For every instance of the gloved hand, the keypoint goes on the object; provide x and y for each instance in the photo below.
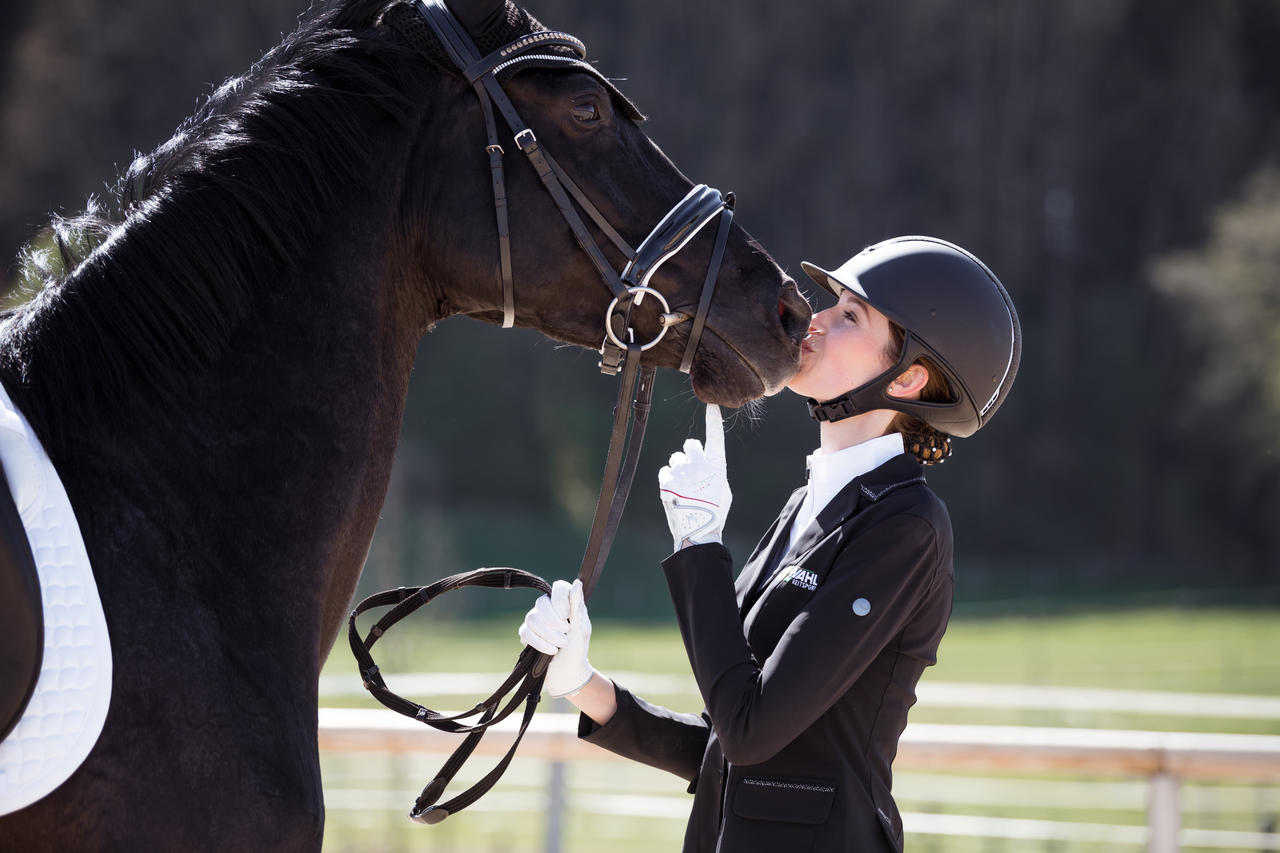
(694, 487)
(558, 625)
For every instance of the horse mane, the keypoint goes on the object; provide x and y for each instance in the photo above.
(135, 294)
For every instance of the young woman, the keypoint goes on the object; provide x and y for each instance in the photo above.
(808, 661)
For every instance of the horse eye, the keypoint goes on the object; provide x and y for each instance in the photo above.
(585, 112)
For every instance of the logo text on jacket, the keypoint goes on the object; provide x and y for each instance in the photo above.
(799, 576)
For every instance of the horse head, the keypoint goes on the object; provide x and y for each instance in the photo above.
(750, 344)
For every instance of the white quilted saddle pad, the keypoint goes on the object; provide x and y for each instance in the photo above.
(64, 717)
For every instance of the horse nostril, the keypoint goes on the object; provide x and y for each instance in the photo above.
(794, 312)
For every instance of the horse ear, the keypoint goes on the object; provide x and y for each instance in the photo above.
(479, 16)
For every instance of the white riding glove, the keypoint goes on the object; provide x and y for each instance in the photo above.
(694, 487)
(558, 625)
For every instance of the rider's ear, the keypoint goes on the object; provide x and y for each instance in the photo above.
(478, 16)
(910, 382)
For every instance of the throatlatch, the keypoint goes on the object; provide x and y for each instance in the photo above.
(619, 353)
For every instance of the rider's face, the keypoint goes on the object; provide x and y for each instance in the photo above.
(848, 345)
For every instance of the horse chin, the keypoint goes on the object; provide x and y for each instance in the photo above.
(717, 393)
(723, 376)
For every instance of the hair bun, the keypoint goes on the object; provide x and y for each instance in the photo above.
(928, 445)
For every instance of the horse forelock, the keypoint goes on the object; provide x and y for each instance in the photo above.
(513, 23)
(149, 284)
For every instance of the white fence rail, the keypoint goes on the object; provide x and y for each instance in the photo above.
(1165, 759)
(936, 694)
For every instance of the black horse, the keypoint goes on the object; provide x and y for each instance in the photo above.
(218, 373)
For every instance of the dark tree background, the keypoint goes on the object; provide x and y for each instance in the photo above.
(1116, 162)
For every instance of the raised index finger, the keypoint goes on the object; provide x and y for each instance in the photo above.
(715, 434)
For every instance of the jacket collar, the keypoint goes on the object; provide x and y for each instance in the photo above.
(900, 471)
(831, 472)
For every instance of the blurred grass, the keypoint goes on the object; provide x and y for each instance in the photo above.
(1171, 648)
(1214, 650)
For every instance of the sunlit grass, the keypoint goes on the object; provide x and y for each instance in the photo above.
(1181, 649)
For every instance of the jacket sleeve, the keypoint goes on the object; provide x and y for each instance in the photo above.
(651, 735)
(758, 707)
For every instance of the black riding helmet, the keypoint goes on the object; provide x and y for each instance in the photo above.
(953, 310)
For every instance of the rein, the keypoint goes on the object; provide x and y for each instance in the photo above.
(619, 353)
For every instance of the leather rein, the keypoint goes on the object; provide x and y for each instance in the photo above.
(619, 353)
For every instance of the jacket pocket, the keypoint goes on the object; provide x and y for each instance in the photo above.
(775, 814)
(785, 800)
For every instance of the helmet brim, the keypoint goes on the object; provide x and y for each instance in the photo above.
(830, 283)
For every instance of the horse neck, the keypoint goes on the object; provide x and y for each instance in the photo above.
(252, 492)
(325, 379)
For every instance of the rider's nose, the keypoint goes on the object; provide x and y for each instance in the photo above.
(818, 323)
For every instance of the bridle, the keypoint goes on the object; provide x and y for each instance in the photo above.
(419, 21)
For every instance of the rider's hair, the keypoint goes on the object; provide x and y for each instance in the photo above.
(929, 445)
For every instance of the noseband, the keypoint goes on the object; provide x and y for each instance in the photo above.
(619, 352)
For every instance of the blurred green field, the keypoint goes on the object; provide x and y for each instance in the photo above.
(1181, 649)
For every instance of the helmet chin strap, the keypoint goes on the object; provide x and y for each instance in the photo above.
(870, 395)
(860, 400)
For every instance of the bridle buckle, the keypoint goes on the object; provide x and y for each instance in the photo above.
(526, 140)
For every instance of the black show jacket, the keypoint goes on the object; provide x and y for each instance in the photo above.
(807, 671)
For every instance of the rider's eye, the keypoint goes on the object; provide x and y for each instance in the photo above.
(585, 112)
